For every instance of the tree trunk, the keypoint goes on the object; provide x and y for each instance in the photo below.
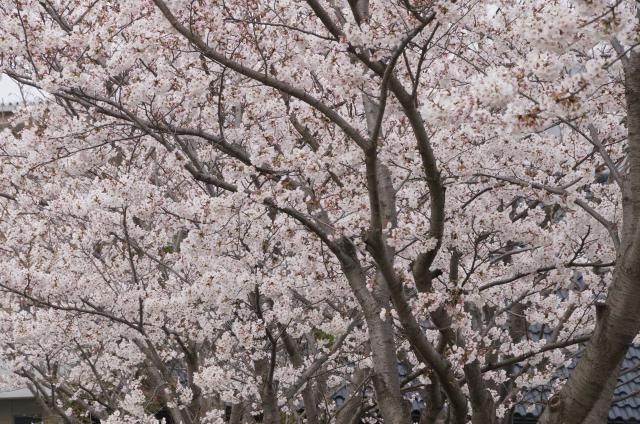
(350, 411)
(237, 412)
(386, 379)
(600, 411)
(482, 404)
(434, 403)
(270, 410)
(308, 393)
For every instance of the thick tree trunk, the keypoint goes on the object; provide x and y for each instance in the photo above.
(482, 404)
(600, 411)
(270, 410)
(434, 400)
(237, 412)
(386, 379)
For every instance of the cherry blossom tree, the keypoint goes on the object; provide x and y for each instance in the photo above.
(319, 210)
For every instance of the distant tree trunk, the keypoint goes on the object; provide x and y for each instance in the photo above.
(308, 393)
(349, 413)
(434, 403)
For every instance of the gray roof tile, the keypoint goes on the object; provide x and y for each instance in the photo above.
(625, 410)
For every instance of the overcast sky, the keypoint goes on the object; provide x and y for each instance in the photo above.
(10, 92)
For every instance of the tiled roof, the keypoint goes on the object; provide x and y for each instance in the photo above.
(626, 397)
(625, 408)
(8, 106)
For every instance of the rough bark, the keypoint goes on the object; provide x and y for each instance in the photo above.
(600, 411)
(381, 193)
(482, 404)
(386, 380)
(268, 395)
(237, 412)
(434, 401)
(517, 323)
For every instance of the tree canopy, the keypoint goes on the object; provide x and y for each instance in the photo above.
(234, 210)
